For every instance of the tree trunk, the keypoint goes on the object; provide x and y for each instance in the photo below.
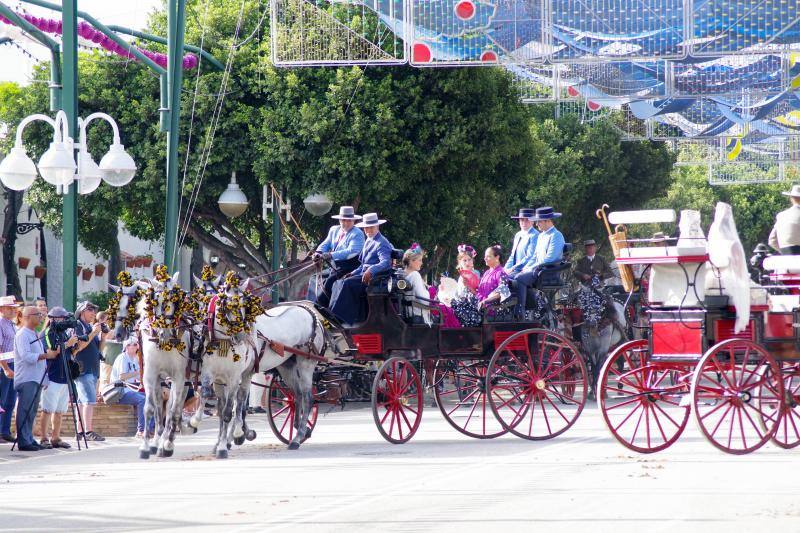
(115, 261)
(10, 243)
(196, 264)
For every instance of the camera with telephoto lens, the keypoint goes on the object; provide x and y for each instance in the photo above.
(60, 326)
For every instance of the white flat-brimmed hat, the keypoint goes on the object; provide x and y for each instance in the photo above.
(346, 212)
(8, 301)
(795, 192)
(370, 219)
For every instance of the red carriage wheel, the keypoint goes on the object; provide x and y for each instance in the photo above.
(641, 400)
(732, 382)
(281, 410)
(460, 389)
(397, 400)
(788, 411)
(537, 386)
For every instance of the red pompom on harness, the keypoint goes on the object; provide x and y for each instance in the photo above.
(212, 308)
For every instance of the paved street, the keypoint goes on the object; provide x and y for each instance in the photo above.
(346, 478)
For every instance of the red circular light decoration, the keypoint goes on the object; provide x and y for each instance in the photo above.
(421, 53)
(465, 9)
(489, 56)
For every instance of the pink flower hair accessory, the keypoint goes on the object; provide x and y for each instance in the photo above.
(467, 249)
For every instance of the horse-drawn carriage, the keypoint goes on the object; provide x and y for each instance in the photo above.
(714, 346)
(503, 376)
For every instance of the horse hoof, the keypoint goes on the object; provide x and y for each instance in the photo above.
(144, 454)
(168, 453)
(222, 454)
(294, 445)
(153, 449)
(161, 452)
(228, 445)
(238, 440)
(250, 435)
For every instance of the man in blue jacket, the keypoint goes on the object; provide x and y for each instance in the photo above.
(347, 302)
(549, 250)
(524, 243)
(341, 248)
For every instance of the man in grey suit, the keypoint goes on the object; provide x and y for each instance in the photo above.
(592, 264)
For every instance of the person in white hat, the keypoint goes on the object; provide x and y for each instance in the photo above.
(785, 234)
(347, 302)
(8, 396)
(341, 247)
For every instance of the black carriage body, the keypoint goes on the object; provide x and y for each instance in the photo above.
(385, 334)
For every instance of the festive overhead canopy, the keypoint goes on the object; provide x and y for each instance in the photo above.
(686, 68)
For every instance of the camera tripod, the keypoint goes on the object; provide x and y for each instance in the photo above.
(77, 418)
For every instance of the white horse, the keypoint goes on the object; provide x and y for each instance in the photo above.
(297, 327)
(125, 316)
(227, 365)
(165, 355)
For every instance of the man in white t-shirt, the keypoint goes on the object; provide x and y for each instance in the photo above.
(126, 370)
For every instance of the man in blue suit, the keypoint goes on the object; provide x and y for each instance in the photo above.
(347, 302)
(341, 248)
(549, 250)
(524, 243)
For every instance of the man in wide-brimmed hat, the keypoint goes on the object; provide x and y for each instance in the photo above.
(524, 242)
(347, 301)
(341, 248)
(549, 250)
(8, 396)
(785, 235)
(592, 264)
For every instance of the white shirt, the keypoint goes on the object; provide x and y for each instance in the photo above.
(590, 258)
(786, 231)
(124, 364)
(419, 290)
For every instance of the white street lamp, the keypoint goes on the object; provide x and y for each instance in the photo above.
(89, 173)
(17, 171)
(57, 165)
(317, 204)
(233, 202)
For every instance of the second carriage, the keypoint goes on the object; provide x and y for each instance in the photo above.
(742, 385)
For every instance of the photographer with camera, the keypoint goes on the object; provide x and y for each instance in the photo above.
(88, 356)
(55, 397)
(30, 369)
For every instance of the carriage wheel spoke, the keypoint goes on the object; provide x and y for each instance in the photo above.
(666, 414)
(556, 408)
(638, 406)
(562, 396)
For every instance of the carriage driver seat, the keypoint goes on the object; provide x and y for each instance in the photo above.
(382, 283)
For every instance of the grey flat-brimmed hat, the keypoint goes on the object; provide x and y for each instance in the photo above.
(58, 312)
(795, 191)
(589, 242)
(370, 219)
(346, 212)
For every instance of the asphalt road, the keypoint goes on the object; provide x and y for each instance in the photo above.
(346, 478)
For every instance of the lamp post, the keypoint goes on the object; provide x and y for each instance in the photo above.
(58, 167)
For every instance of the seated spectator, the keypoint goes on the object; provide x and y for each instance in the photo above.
(492, 287)
(412, 263)
(126, 370)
